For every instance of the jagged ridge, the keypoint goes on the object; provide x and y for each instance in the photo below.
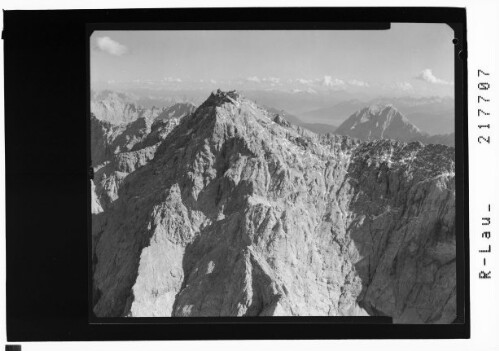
(240, 213)
(118, 150)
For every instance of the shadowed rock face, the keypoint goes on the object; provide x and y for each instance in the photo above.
(121, 150)
(239, 213)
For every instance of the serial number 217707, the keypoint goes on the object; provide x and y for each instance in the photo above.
(483, 104)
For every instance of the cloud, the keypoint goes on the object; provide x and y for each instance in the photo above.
(253, 79)
(110, 46)
(308, 90)
(428, 76)
(304, 81)
(267, 80)
(328, 81)
(405, 86)
(172, 80)
(272, 80)
(358, 83)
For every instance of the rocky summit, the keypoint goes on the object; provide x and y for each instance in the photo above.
(237, 212)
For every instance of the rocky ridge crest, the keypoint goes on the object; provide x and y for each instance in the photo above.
(239, 213)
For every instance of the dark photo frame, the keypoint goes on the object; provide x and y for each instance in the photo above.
(49, 284)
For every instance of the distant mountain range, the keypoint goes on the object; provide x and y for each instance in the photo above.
(386, 122)
(118, 108)
(433, 115)
(379, 121)
(319, 128)
(299, 103)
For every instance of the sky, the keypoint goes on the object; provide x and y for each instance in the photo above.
(408, 59)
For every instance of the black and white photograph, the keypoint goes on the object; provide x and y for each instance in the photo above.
(261, 175)
(242, 173)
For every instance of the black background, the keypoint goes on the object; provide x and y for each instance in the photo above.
(47, 171)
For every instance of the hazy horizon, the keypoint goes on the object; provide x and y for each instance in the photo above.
(319, 76)
(407, 60)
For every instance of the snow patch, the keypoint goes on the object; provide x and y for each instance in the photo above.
(210, 268)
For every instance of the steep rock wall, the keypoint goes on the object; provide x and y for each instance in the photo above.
(241, 214)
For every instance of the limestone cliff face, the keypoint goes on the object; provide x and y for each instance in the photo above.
(405, 230)
(238, 213)
(122, 151)
(108, 139)
(119, 149)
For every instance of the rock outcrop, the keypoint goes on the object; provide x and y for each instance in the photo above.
(239, 213)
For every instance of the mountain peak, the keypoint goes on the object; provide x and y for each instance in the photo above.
(380, 121)
(380, 109)
(376, 109)
(219, 97)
